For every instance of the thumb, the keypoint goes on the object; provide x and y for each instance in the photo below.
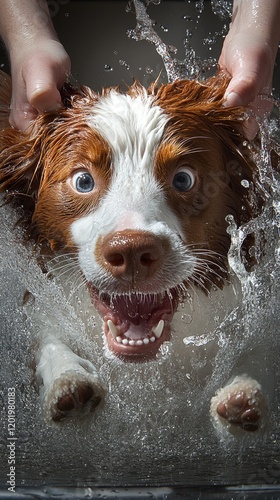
(42, 82)
(251, 75)
(242, 89)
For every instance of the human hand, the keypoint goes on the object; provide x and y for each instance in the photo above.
(248, 56)
(250, 63)
(38, 73)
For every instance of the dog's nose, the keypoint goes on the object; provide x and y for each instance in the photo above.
(132, 253)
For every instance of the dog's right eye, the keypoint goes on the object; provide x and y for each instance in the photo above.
(83, 182)
(183, 180)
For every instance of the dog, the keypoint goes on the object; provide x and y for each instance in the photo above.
(138, 186)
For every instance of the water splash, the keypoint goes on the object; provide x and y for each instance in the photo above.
(260, 283)
(192, 66)
(222, 8)
(144, 30)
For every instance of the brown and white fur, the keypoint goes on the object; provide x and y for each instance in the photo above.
(137, 185)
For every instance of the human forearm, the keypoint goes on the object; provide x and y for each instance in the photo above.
(259, 18)
(23, 21)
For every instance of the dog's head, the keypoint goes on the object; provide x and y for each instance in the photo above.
(139, 185)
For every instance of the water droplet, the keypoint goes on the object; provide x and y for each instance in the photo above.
(107, 67)
(172, 49)
(128, 7)
(123, 63)
(199, 5)
(66, 14)
(186, 318)
(149, 70)
(245, 183)
(187, 18)
(164, 28)
(229, 218)
(210, 40)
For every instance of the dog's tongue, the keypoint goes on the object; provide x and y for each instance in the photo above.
(137, 317)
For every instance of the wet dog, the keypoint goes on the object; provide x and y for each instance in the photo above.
(138, 186)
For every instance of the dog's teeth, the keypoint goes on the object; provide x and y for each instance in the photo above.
(158, 329)
(112, 328)
(145, 341)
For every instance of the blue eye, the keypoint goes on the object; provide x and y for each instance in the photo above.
(83, 182)
(183, 180)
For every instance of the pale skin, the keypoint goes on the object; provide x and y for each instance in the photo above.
(250, 49)
(40, 64)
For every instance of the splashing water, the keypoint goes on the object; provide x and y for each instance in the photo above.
(145, 31)
(260, 287)
(222, 8)
(191, 66)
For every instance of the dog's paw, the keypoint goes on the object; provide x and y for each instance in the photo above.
(72, 395)
(77, 401)
(239, 404)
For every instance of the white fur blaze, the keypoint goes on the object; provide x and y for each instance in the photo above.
(133, 128)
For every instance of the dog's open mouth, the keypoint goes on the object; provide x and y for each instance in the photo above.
(135, 324)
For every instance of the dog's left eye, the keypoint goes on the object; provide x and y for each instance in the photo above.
(83, 182)
(183, 180)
